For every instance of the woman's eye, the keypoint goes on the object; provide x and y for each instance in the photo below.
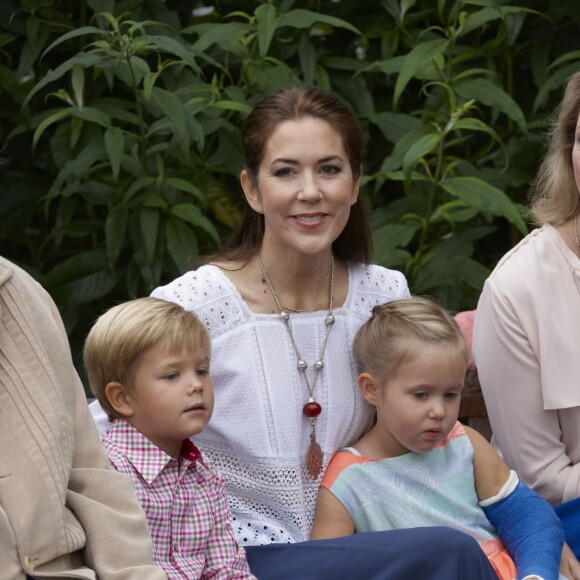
(330, 169)
(283, 172)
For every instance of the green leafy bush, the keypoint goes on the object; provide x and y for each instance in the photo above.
(121, 120)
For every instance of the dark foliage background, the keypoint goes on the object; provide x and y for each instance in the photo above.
(120, 124)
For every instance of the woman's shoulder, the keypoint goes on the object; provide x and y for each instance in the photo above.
(209, 293)
(529, 254)
(196, 286)
(539, 258)
(370, 285)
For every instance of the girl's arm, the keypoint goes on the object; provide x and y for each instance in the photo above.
(490, 470)
(331, 519)
(526, 523)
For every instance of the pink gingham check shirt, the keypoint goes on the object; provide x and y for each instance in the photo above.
(186, 507)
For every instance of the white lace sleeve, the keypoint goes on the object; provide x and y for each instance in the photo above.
(99, 417)
(211, 295)
(374, 285)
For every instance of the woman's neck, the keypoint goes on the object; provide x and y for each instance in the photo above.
(299, 284)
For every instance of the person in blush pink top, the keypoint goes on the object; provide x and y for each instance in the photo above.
(527, 333)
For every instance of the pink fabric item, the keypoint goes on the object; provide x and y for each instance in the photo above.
(185, 504)
(465, 320)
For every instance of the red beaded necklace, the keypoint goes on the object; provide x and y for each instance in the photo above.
(311, 408)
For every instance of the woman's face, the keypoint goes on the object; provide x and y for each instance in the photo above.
(304, 187)
(576, 154)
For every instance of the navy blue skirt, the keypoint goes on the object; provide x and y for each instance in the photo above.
(436, 553)
(569, 514)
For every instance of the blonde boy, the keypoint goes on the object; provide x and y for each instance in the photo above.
(148, 365)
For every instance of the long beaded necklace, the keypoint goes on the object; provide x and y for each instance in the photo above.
(297, 310)
(311, 408)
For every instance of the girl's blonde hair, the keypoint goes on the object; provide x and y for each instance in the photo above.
(396, 331)
(554, 196)
(121, 335)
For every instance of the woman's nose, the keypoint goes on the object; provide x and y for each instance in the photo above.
(309, 190)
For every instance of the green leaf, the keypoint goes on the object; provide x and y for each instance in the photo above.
(474, 192)
(228, 36)
(422, 147)
(459, 243)
(148, 83)
(232, 106)
(169, 45)
(186, 186)
(149, 222)
(301, 18)
(183, 124)
(36, 38)
(554, 83)
(478, 19)
(82, 59)
(78, 167)
(415, 60)
(394, 125)
(266, 21)
(114, 145)
(388, 241)
(81, 279)
(192, 214)
(491, 95)
(475, 125)
(54, 118)
(78, 84)
(307, 56)
(434, 273)
(137, 186)
(115, 228)
(181, 244)
(74, 34)
(92, 115)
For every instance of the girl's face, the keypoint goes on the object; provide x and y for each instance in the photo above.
(305, 187)
(418, 407)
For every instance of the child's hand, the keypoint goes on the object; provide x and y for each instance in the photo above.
(569, 565)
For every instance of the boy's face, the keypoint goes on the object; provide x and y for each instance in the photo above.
(173, 396)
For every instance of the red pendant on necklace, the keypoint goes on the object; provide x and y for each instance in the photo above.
(312, 409)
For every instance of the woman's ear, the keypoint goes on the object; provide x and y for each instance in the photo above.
(369, 387)
(355, 190)
(251, 191)
(119, 399)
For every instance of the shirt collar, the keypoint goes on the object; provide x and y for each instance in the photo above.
(144, 455)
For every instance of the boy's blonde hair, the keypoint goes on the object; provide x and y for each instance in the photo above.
(121, 335)
(396, 331)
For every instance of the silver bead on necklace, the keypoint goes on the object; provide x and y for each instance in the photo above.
(311, 408)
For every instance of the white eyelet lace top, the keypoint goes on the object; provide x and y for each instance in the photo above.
(258, 437)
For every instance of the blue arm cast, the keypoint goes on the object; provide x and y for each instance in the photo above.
(530, 530)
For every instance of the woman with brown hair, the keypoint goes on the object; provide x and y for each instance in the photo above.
(282, 303)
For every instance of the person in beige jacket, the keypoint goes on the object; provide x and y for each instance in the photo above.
(64, 513)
